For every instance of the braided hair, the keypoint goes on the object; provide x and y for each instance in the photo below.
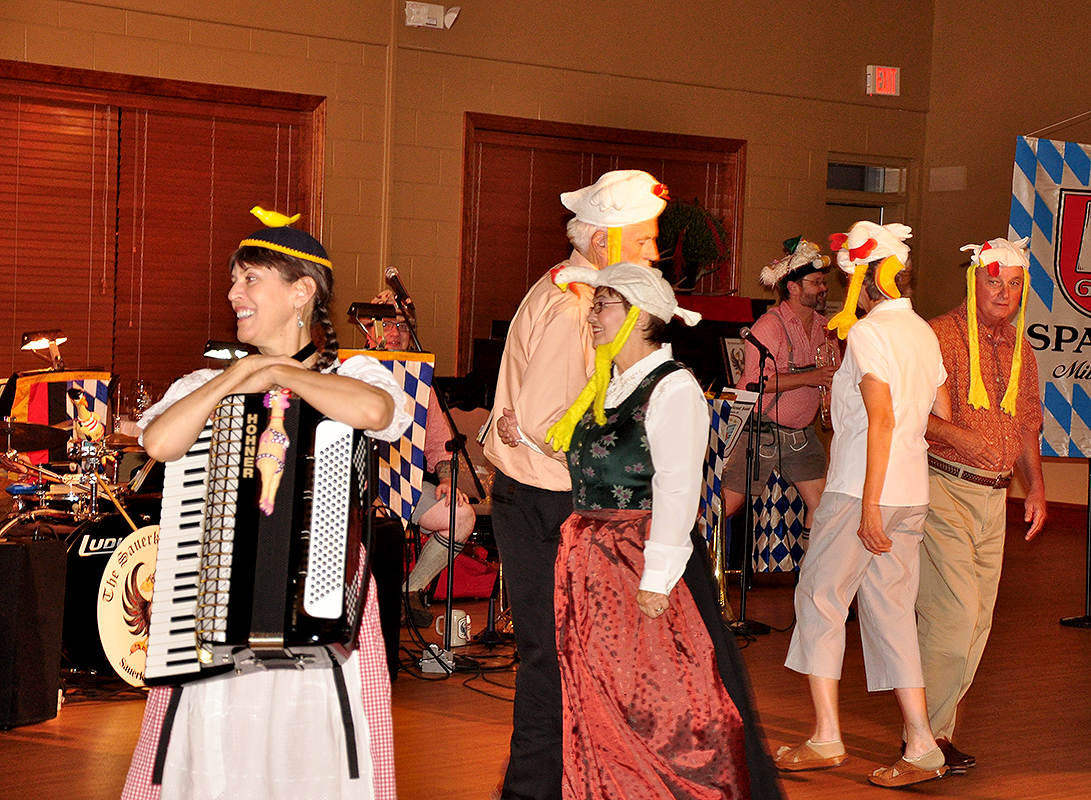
(292, 269)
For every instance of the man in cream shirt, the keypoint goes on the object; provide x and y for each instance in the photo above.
(547, 361)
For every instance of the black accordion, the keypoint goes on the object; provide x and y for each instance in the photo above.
(239, 589)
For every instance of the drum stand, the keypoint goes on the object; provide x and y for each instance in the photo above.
(88, 456)
(91, 456)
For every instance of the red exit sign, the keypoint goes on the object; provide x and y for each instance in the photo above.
(884, 80)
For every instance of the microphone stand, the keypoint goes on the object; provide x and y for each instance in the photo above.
(743, 626)
(457, 437)
(433, 659)
(492, 635)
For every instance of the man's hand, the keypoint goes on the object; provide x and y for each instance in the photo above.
(975, 448)
(871, 530)
(1029, 465)
(1034, 513)
(971, 446)
(653, 604)
(443, 492)
(508, 428)
(822, 376)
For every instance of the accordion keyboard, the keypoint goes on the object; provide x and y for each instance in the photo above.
(170, 645)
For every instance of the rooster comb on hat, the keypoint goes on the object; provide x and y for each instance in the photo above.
(997, 253)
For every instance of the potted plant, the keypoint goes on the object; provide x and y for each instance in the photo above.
(692, 244)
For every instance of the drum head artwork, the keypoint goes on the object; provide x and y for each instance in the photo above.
(124, 603)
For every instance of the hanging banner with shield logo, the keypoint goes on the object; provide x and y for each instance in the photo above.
(1051, 203)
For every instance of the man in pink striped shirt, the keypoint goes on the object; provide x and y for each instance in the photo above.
(793, 332)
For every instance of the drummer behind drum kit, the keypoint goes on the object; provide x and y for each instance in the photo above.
(108, 531)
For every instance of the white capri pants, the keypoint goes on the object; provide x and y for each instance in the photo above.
(838, 566)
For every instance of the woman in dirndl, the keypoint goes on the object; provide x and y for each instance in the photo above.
(656, 700)
(277, 733)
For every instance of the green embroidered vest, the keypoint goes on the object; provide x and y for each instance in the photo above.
(610, 465)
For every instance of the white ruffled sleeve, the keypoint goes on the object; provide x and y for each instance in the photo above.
(179, 389)
(370, 371)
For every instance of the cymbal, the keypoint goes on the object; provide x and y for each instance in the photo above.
(120, 440)
(26, 436)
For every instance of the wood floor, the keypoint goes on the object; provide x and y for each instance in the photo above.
(1027, 718)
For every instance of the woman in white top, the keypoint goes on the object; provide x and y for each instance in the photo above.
(867, 530)
(276, 733)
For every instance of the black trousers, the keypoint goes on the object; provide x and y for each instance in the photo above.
(527, 526)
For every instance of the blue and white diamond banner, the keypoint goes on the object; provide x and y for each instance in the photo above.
(401, 463)
(778, 526)
(1051, 203)
(729, 415)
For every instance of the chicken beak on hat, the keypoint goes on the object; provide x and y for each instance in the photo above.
(886, 274)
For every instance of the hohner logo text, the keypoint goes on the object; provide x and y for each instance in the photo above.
(249, 445)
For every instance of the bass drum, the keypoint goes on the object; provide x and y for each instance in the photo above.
(89, 550)
(90, 545)
(37, 525)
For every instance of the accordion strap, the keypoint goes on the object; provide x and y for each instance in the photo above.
(346, 719)
(164, 735)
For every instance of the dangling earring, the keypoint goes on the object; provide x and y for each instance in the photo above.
(298, 318)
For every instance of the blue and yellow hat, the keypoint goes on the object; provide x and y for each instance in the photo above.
(284, 239)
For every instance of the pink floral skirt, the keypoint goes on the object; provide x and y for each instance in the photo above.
(646, 714)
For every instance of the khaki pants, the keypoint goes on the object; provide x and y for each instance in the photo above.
(960, 571)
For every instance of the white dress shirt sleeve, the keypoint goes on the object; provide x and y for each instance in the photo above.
(678, 428)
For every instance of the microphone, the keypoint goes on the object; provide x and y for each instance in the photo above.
(400, 294)
(749, 336)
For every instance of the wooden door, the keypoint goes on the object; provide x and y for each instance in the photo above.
(514, 224)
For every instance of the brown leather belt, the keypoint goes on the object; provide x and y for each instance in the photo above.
(996, 480)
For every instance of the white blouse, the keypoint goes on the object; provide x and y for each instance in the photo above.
(678, 426)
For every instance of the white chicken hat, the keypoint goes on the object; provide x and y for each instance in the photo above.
(646, 290)
(620, 197)
(865, 242)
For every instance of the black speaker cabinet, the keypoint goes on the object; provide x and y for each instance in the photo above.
(388, 567)
(32, 578)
